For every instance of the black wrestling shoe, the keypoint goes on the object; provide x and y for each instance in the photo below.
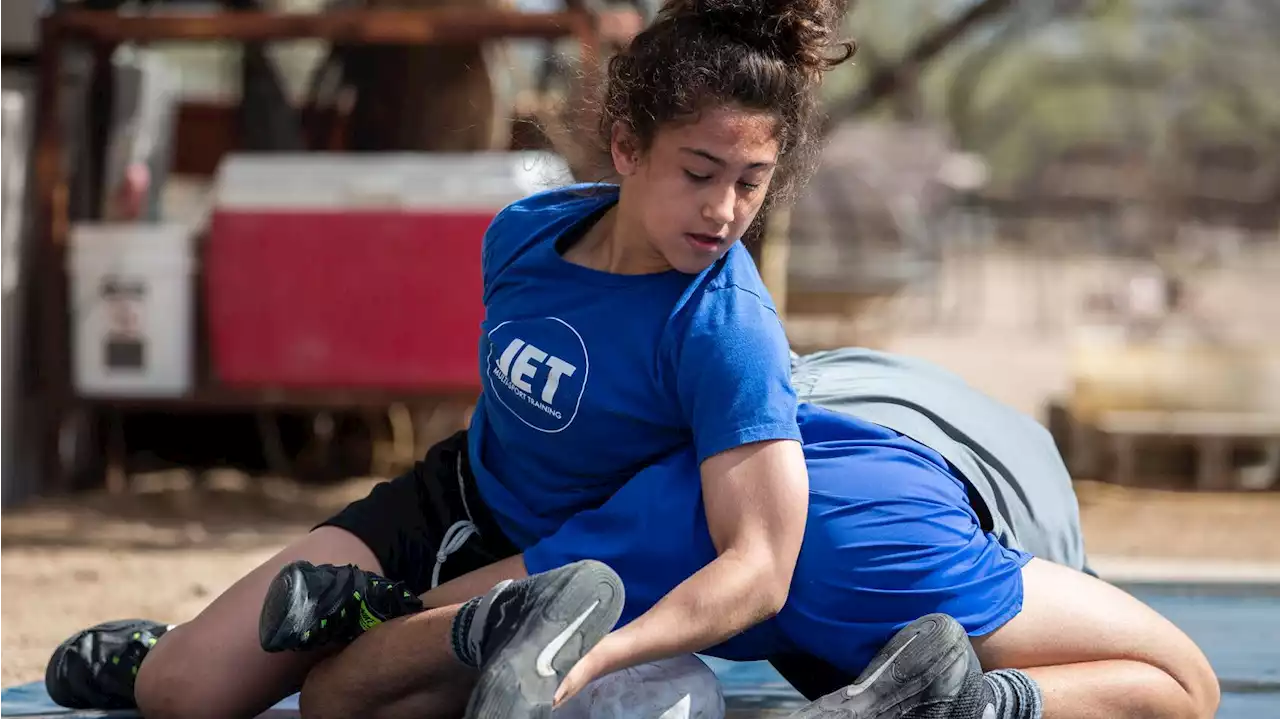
(309, 606)
(545, 624)
(927, 671)
(96, 667)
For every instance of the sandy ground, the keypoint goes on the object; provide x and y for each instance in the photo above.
(163, 552)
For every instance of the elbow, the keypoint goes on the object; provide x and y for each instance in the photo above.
(769, 572)
(762, 585)
(773, 602)
(774, 587)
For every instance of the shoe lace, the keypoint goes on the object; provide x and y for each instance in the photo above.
(369, 600)
(341, 620)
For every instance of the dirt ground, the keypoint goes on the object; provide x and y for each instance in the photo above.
(169, 548)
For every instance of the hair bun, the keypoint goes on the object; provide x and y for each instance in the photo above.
(802, 32)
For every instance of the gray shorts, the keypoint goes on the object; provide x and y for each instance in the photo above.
(1018, 483)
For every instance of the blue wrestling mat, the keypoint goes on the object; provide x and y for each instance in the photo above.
(1238, 626)
(750, 688)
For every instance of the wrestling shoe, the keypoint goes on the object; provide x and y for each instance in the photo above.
(531, 632)
(96, 667)
(927, 671)
(310, 606)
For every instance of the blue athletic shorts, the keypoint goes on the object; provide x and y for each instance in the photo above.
(890, 537)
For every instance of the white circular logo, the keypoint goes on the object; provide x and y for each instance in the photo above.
(537, 369)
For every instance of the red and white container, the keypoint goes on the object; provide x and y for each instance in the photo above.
(356, 271)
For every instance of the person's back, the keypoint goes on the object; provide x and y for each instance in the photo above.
(1024, 493)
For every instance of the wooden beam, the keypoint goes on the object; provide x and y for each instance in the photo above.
(434, 25)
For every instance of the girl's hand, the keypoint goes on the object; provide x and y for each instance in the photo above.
(604, 658)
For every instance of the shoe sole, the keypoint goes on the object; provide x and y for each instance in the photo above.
(286, 610)
(575, 611)
(933, 644)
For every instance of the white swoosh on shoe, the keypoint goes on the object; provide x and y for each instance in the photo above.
(543, 663)
(856, 689)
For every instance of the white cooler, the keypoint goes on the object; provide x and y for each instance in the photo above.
(132, 309)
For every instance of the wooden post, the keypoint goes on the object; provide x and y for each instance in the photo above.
(51, 376)
(117, 454)
(100, 109)
(1213, 465)
(1124, 468)
(774, 256)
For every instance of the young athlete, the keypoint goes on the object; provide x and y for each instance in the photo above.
(624, 323)
(942, 561)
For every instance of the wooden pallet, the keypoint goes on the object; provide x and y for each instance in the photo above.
(1213, 435)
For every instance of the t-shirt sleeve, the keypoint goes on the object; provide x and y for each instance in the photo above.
(491, 251)
(733, 373)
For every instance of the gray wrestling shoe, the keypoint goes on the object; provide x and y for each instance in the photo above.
(543, 625)
(927, 671)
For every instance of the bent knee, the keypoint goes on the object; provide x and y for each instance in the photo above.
(323, 699)
(1201, 683)
(1177, 678)
(1070, 618)
(1150, 693)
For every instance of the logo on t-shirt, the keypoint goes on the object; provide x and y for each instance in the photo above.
(538, 370)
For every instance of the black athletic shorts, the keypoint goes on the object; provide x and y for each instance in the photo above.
(428, 525)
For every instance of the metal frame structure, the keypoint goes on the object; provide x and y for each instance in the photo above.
(102, 32)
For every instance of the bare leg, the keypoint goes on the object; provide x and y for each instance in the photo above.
(403, 668)
(213, 666)
(523, 635)
(1096, 651)
(406, 666)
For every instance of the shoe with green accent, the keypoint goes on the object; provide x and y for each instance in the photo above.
(96, 667)
(310, 606)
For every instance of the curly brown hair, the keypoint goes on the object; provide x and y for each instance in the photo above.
(766, 55)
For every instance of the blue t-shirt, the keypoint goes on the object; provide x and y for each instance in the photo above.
(890, 537)
(589, 376)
